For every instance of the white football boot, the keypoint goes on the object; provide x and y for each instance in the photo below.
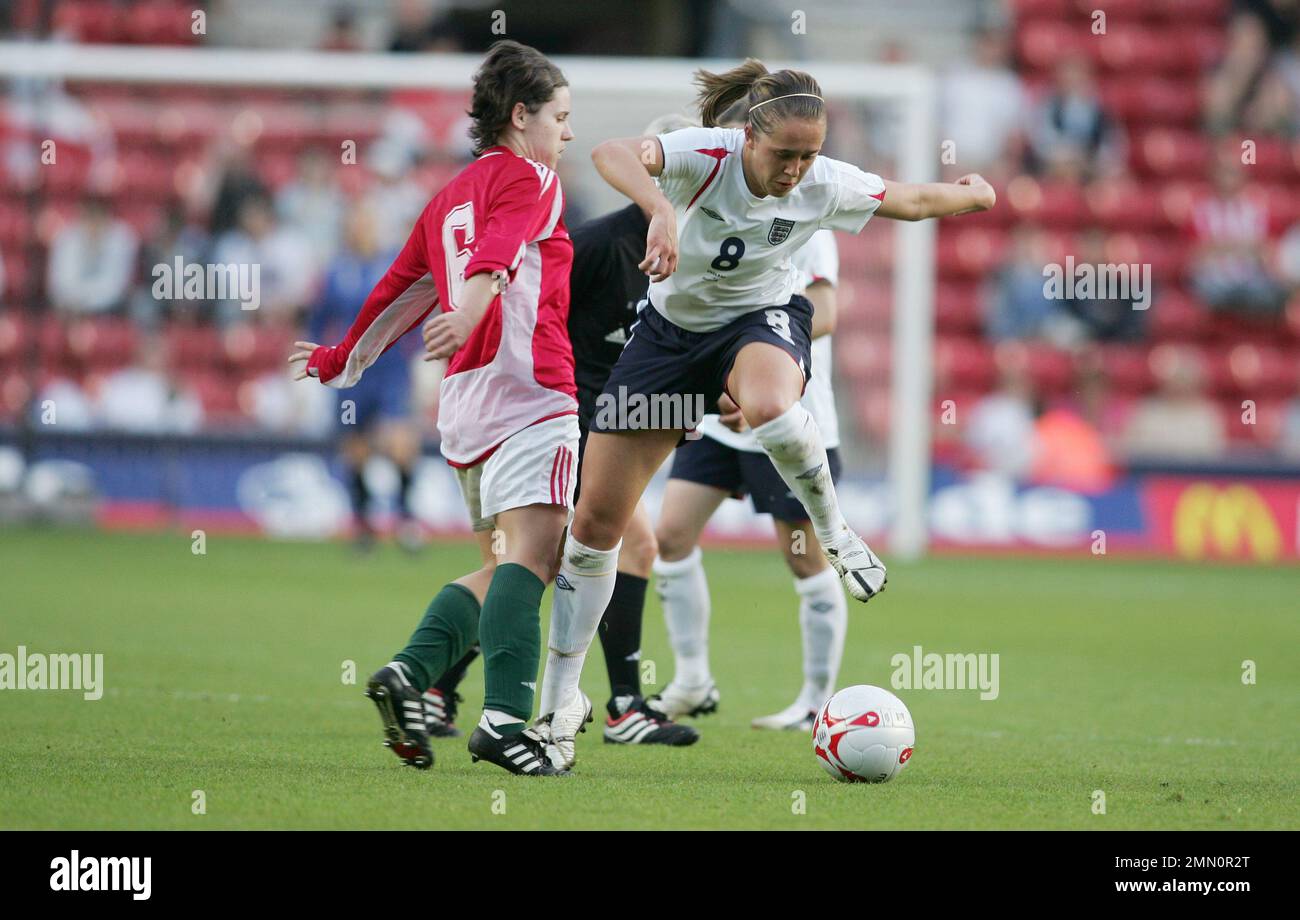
(861, 571)
(560, 729)
(677, 700)
(794, 718)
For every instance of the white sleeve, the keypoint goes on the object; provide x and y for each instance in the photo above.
(818, 260)
(858, 195)
(690, 157)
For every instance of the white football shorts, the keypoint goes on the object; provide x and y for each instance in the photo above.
(535, 466)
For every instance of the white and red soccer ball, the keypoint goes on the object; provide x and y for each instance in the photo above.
(863, 735)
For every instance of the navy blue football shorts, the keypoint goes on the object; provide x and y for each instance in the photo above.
(662, 359)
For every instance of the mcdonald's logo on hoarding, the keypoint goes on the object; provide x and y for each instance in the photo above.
(1225, 521)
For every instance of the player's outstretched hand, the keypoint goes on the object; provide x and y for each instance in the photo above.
(730, 415)
(984, 192)
(298, 360)
(444, 333)
(660, 246)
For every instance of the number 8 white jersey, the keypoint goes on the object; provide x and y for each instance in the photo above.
(735, 249)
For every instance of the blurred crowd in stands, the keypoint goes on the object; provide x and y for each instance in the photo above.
(1172, 141)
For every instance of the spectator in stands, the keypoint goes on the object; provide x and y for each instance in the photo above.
(983, 106)
(1016, 304)
(1230, 230)
(1072, 437)
(417, 30)
(1178, 421)
(374, 415)
(312, 204)
(67, 403)
(231, 178)
(91, 262)
(1071, 136)
(395, 199)
(1103, 318)
(1000, 431)
(1245, 90)
(1288, 444)
(1288, 260)
(286, 270)
(146, 397)
(176, 237)
(281, 406)
(342, 34)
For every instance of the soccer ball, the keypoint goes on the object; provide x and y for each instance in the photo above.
(863, 735)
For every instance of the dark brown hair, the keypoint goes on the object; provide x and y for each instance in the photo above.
(511, 73)
(738, 91)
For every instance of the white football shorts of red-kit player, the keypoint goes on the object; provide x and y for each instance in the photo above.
(535, 466)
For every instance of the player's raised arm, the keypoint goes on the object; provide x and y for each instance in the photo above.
(628, 164)
(920, 201)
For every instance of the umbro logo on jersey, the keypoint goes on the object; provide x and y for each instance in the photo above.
(618, 337)
(780, 230)
(563, 583)
(714, 214)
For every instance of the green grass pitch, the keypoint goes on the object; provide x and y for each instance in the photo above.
(224, 674)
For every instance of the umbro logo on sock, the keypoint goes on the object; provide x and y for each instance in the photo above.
(563, 583)
(812, 473)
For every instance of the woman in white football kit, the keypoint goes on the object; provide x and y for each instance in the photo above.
(723, 317)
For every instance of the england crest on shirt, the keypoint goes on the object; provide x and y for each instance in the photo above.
(780, 230)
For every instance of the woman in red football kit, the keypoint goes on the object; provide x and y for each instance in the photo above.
(491, 248)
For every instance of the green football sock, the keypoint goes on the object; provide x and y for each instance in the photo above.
(449, 628)
(510, 635)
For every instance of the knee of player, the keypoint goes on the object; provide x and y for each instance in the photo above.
(759, 410)
(673, 543)
(595, 529)
(638, 553)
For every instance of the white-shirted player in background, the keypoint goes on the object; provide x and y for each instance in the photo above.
(722, 317)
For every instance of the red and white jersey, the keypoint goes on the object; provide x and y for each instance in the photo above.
(502, 212)
(736, 250)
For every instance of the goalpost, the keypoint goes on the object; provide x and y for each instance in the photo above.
(615, 97)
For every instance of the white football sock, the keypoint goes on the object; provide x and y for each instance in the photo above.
(824, 620)
(794, 444)
(684, 593)
(582, 592)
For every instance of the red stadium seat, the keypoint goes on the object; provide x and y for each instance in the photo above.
(1043, 43)
(964, 363)
(1127, 367)
(1171, 153)
(957, 307)
(1026, 10)
(193, 347)
(1052, 371)
(1182, 12)
(1177, 317)
(1053, 204)
(1122, 204)
(863, 358)
(969, 253)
